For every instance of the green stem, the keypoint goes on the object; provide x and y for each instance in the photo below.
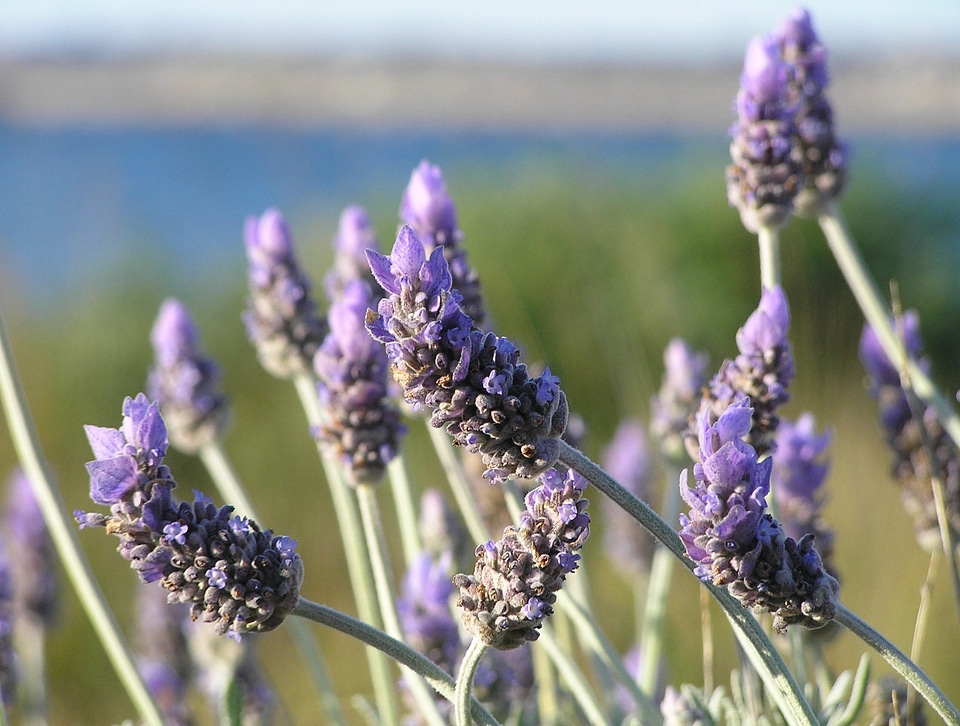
(458, 483)
(383, 581)
(225, 478)
(901, 664)
(402, 491)
(573, 677)
(63, 532)
(771, 667)
(29, 641)
(355, 552)
(396, 650)
(769, 242)
(468, 669)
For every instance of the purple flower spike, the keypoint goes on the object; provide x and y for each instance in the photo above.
(906, 435)
(8, 665)
(515, 582)
(33, 557)
(184, 382)
(732, 538)
(763, 370)
(355, 235)
(822, 158)
(685, 373)
(229, 570)
(474, 382)
(424, 610)
(427, 208)
(281, 316)
(360, 422)
(764, 177)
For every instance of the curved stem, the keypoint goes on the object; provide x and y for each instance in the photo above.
(63, 532)
(468, 669)
(901, 664)
(769, 242)
(225, 478)
(796, 709)
(440, 681)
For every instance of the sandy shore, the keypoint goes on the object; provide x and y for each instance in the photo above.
(920, 95)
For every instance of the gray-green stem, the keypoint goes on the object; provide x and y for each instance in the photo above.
(63, 532)
(355, 552)
(402, 491)
(771, 667)
(225, 478)
(769, 243)
(468, 669)
(396, 650)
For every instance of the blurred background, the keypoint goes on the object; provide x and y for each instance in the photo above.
(584, 148)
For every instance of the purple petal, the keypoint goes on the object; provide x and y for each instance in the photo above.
(112, 478)
(105, 442)
(380, 266)
(408, 254)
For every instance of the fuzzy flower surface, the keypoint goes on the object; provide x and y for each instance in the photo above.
(821, 156)
(281, 317)
(684, 375)
(427, 207)
(231, 572)
(764, 176)
(762, 371)
(733, 539)
(909, 436)
(33, 557)
(515, 581)
(185, 382)
(473, 382)
(361, 423)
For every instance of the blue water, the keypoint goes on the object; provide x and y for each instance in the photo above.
(74, 201)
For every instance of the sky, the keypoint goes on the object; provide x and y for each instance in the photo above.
(526, 30)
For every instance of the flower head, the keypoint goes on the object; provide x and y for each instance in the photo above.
(474, 382)
(683, 379)
(762, 371)
(799, 470)
(427, 208)
(732, 538)
(360, 421)
(515, 582)
(230, 571)
(355, 235)
(8, 665)
(424, 610)
(281, 316)
(184, 382)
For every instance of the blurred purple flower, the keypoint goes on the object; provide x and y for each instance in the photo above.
(355, 235)
(685, 373)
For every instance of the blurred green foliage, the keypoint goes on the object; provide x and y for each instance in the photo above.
(591, 273)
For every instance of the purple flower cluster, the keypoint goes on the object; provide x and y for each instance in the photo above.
(515, 581)
(735, 542)
(783, 142)
(8, 661)
(355, 235)
(184, 382)
(281, 316)
(427, 208)
(424, 610)
(685, 373)
(231, 572)
(162, 652)
(909, 436)
(762, 371)
(799, 470)
(361, 423)
(474, 382)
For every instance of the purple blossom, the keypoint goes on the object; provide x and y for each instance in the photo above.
(8, 665)
(735, 542)
(908, 435)
(764, 177)
(627, 459)
(762, 371)
(515, 582)
(355, 235)
(441, 361)
(685, 373)
(33, 558)
(424, 610)
(230, 571)
(281, 316)
(361, 423)
(427, 208)
(184, 382)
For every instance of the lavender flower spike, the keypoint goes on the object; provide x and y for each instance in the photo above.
(360, 421)
(8, 665)
(184, 382)
(905, 435)
(281, 316)
(355, 235)
(515, 582)
(764, 177)
(822, 158)
(763, 370)
(427, 208)
(473, 381)
(735, 542)
(230, 571)
(679, 396)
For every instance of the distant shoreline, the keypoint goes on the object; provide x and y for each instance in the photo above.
(897, 95)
